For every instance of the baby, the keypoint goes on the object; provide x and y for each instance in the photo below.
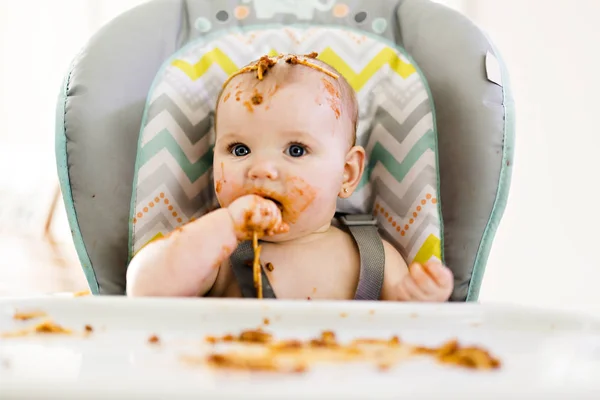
(285, 151)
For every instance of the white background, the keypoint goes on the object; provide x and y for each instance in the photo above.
(544, 252)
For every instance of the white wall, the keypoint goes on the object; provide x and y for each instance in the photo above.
(546, 248)
(38, 39)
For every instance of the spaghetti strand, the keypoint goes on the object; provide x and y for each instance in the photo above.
(256, 266)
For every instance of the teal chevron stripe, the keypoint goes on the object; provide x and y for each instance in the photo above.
(397, 169)
(164, 140)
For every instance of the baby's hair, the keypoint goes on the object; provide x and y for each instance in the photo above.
(265, 63)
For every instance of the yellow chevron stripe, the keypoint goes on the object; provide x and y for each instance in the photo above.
(358, 80)
(201, 67)
(155, 237)
(431, 247)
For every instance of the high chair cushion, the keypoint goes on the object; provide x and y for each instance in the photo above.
(173, 182)
(134, 122)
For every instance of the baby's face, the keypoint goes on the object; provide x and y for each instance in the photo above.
(285, 141)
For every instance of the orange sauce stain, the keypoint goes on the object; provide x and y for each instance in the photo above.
(220, 182)
(334, 97)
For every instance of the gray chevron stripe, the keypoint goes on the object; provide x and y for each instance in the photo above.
(397, 130)
(419, 226)
(401, 205)
(164, 176)
(387, 90)
(150, 226)
(202, 93)
(193, 132)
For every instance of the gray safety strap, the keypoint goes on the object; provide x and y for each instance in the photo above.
(241, 264)
(363, 227)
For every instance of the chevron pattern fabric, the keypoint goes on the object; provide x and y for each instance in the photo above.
(396, 126)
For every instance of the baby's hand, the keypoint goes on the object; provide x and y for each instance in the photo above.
(430, 282)
(253, 213)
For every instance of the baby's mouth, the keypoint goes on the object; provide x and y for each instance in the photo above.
(269, 195)
(277, 202)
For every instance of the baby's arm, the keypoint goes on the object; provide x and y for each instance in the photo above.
(429, 282)
(187, 261)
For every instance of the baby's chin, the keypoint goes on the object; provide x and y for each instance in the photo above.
(279, 237)
(295, 234)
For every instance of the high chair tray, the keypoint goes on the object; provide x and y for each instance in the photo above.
(541, 353)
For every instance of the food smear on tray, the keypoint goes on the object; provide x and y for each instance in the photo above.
(44, 327)
(258, 350)
(27, 315)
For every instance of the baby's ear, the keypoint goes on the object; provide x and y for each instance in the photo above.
(353, 171)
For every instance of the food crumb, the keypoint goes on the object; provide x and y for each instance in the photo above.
(269, 267)
(414, 315)
(384, 366)
(343, 315)
(43, 327)
(266, 321)
(153, 339)
(82, 293)
(257, 99)
(248, 106)
(228, 338)
(371, 312)
(89, 329)
(211, 339)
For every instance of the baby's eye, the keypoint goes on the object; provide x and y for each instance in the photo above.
(239, 150)
(296, 150)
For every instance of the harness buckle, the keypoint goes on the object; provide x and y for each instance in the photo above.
(358, 219)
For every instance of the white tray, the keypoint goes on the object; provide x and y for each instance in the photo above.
(544, 354)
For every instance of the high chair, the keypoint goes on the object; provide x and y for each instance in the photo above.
(134, 126)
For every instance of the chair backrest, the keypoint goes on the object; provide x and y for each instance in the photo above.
(134, 122)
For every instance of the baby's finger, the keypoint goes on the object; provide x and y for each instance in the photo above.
(414, 293)
(422, 279)
(401, 294)
(440, 273)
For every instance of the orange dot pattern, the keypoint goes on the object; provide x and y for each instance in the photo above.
(379, 210)
(161, 198)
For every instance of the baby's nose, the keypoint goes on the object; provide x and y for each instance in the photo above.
(263, 170)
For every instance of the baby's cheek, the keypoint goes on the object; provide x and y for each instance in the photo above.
(227, 191)
(226, 185)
